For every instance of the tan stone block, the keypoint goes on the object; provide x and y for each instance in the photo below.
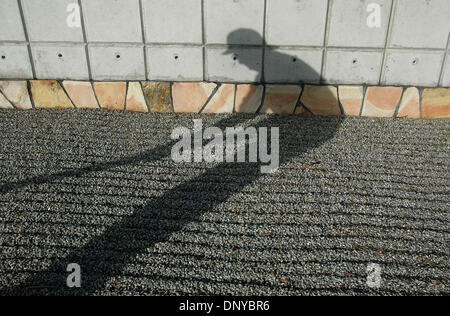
(111, 95)
(381, 101)
(248, 98)
(82, 94)
(222, 101)
(321, 100)
(436, 103)
(281, 99)
(191, 97)
(4, 103)
(17, 93)
(351, 98)
(48, 94)
(410, 105)
(158, 96)
(135, 98)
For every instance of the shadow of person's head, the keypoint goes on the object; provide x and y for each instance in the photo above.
(244, 37)
(291, 75)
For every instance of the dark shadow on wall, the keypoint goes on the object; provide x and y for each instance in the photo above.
(278, 66)
(107, 255)
(275, 68)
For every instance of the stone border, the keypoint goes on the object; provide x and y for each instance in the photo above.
(208, 97)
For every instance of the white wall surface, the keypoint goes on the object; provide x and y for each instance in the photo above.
(387, 42)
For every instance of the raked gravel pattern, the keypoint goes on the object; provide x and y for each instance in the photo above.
(99, 189)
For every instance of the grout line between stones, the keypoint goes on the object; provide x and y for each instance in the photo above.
(145, 97)
(30, 94)
(95, 94)
(6, 98)
(302, 104)
(60, 82)
(397, 108)
(341, 107)
(234, 98)
(127, 83)
(421, 90)
(263, 98)
(306, 108)
(218, 85)
(298, 103)
(171, 98)
(363, 100)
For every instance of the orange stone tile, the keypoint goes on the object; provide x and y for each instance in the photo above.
(321, 100)
(48, 94)
(111, 95)
(82, 94)
(281, 99)
(351, 98)
(222, 101)
(17, 93)
(135, 98)
(158, 96)
(190, 97)
(381, 101)
(248, 98)
(436, 103)
(410, 105)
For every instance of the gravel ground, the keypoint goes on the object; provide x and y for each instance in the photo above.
(99, 189)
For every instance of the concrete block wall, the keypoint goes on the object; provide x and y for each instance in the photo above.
(373, 42)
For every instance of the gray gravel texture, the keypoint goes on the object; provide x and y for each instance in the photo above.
(99, 189)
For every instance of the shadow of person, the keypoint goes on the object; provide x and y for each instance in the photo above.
(107, 255)
(275, 67)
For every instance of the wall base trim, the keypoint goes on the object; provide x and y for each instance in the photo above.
(212, 98)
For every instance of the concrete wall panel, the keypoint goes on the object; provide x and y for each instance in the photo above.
(117, 62)
(173, 21)
(421, 24)
(46, 20)
(15, 62)
(234, 64)
(169, 63)
(60, 61)
(349, 25)
(11, 28)
(413, 68)
(113, 20)
(353, 66)
(293, 22)
(225, 16)
(293, 66)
